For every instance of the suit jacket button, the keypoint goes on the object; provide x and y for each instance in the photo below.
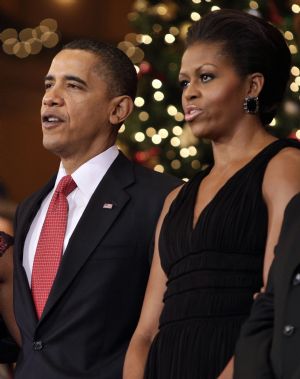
(37, 345)
(288, 330)
(296, 279)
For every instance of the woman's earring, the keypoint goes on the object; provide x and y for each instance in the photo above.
(251, 105)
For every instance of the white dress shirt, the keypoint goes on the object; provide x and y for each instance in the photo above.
(87, 177)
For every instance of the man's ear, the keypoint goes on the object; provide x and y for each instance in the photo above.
(121, 107)
(256, 83)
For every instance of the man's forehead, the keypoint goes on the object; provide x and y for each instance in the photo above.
(73, 62)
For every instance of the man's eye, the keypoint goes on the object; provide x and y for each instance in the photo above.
(48, 85)
(184, 83)
(73, 85)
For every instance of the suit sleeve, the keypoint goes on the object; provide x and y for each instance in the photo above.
(8, 348)
(252, 356)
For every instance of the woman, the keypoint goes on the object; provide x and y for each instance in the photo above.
(215, 245)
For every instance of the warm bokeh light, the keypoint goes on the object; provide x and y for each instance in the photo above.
(158, 96)
(144, 116)
(150, 132)
(169, 38)
(156, 139)
(159, 168)
(156, 83)
(295, 71)
(163, 133)
(139, 101)
(177, 130)
(195, 16)
(295, 8)
(253, 5)
(175, 141)
(50, 23)
(172, 110)
(139, 136)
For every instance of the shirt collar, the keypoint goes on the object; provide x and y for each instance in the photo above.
(89, 175)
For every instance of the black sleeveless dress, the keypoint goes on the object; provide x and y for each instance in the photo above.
(213, 271)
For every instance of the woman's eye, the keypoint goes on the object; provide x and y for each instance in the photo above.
(206, 77)
(183, 84)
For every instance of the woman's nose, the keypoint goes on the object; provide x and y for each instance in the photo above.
(190, 92)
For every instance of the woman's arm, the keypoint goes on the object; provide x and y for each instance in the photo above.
(147, 327)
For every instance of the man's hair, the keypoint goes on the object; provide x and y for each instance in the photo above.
(115, 66)
(253, 45)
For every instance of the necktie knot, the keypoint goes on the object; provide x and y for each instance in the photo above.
(66, 185)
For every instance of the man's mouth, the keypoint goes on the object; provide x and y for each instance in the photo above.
(51, 120)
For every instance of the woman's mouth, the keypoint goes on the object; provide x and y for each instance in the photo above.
(191, 112)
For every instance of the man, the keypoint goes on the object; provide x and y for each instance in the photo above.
(268, 347)
(77, 323)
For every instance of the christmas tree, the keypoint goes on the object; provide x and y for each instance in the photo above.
(156, 135)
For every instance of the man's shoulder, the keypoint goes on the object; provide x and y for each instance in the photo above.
(146, 176)
(154, 178)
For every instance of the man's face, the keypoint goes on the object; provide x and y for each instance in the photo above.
(76, 107)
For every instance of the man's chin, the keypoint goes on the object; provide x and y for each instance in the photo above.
(52, 146)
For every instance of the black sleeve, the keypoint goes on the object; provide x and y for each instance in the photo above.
(252, 355)
(8, 348)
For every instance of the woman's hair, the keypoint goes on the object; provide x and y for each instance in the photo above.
(253, 45)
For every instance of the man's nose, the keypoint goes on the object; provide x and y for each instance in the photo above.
(53, 98)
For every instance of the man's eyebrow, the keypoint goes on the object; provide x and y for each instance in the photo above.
(49, 77)
(75, 79)
(67, 77)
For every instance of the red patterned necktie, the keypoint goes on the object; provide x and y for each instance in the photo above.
(50, 245)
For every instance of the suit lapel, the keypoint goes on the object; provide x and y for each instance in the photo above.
(100, 214)
(29, 211)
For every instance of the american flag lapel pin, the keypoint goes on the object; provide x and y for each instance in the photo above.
(108, 205)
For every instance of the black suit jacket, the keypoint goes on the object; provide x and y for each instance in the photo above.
(269, 343)
(8, 348)
(95, 301)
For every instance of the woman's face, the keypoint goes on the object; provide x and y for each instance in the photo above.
(212, 91)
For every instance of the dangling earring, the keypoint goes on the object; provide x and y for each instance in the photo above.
(251, 105)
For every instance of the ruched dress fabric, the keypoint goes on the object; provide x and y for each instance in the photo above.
(213, 270)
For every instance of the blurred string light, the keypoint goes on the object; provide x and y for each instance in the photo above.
(295, 8)
(30, 41)
(253, 5)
